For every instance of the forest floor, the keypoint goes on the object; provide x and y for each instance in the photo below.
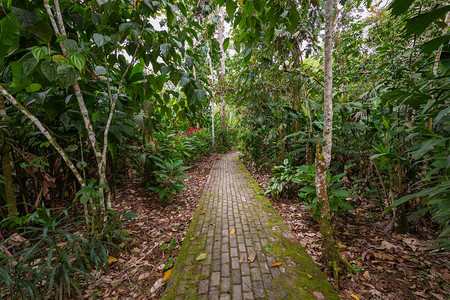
(157, 235)
(389, 265)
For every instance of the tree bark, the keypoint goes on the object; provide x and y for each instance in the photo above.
(331, 256)
(6, 164)
(223, 115)
(213, 94)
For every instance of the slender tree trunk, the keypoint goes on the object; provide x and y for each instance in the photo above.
(6, 163)
(213, 94)
(223, 113)
(331, 256)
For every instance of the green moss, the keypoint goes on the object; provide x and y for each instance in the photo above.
(304, 276)
(187, 269)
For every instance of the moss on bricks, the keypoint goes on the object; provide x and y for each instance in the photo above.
(305, 278)
(187, 269)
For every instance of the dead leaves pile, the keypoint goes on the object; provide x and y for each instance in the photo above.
(145, 264)
(390, 266)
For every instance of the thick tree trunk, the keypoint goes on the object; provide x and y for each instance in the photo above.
(6, 164)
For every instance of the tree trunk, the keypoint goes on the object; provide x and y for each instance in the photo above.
(6, 163)
(400, 220)
(212, 100)
(223, 115)
(331, 256)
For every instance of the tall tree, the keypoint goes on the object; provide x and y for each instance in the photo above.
(332, 256)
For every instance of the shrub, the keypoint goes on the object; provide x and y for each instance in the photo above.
(168, 176)
(44, 258)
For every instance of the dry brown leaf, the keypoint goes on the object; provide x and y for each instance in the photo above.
(233, 231)
(381, 255)
(277, 264)
(241, 259)
(143, 276)
(366, 275)
(167, 274)
(318, 295)
(252, 256)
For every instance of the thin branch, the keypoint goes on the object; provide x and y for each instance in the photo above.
(52, 18)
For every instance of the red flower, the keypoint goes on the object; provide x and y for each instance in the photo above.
(187, 133)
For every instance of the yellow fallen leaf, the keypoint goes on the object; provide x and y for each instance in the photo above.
(167, 274)
(341, 245)
(233, 231)
(277, 264)
(354, 297)
(111, 259)
(309, 276)
(201, 256)
(252, 256)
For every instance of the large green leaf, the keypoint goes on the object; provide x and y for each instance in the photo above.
(100, 39)
(25, 17)
(67, 75)
(400, 6)
(418, 24)
(39, 52)
(78, 60)
(231, 8)
(165, 48)
(435, 43)
(29, 62)
(48, 68)
(71, 45)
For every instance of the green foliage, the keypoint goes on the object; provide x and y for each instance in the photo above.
(49, 258)
(169, 176)
(282, 179)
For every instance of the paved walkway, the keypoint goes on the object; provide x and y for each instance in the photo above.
(233, 242)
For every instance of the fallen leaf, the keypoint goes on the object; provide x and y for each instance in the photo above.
(167, 274)
(318, 295)
(242, 259)
(201, 256)
(143, 276)
(366, 275)
(309, 276)
(233, 231)
(251, 256)
(111, 259)
(277, 264)
(354, 296)
(341, 245)
(157, 285)
(381, 255)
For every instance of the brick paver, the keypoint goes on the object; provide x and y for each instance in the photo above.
(232, 202)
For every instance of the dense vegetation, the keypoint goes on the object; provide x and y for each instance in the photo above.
(92, 88)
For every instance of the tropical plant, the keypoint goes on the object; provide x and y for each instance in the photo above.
(168, 176)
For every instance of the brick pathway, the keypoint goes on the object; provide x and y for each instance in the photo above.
(231, 201)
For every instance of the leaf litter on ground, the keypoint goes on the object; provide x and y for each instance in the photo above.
(390, 266)
(139, 272)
